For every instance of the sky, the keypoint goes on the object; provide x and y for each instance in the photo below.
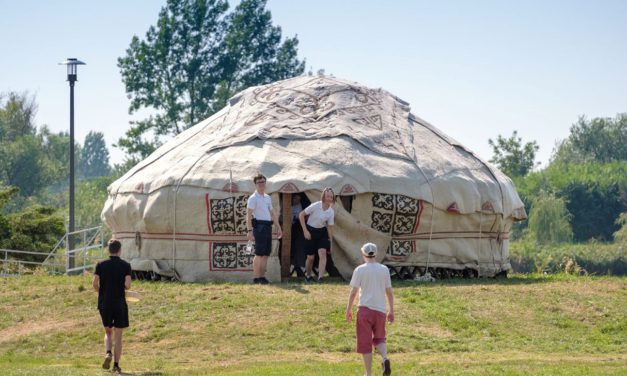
(474, 69)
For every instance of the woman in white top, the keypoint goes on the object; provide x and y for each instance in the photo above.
(318, 231)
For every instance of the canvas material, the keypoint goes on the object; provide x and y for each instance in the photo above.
(305, 134)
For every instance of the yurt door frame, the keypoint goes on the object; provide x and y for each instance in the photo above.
(286, 241)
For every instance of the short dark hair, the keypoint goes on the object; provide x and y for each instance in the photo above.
(114, 246)
(259, 176)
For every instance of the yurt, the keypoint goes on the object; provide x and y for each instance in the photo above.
(427, 201)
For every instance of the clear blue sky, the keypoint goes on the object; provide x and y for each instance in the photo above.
(474, 69)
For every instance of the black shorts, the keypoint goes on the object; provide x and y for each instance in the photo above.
(262, 231)
(319, 240)
(115, 315)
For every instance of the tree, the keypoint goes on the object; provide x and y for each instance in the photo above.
(549, 220)
(620, 236)
(253, 53)
(37, 228)
(17, 115)
(512, 157)
(193, 60)
(94, 160)
(597, 140)
(90, 199)
(31, 160)
(23, 164)
(595, 194)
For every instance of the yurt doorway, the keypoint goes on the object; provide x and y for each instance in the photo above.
(292, 249)
(292, 245)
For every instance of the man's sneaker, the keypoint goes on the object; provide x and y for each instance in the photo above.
(256, 281)
(309, 279)
(320, 280)
(117, 369)
(387, 370)
(263, 281)
(107, 361)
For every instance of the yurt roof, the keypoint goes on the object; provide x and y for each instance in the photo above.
(307, 133)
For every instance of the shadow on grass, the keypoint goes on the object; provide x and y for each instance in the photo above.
(513, 280)
(293, 286)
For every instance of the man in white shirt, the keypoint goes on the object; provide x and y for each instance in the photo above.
(372, 281)
(259, 220)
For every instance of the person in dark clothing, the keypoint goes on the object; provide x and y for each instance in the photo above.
(111, 278)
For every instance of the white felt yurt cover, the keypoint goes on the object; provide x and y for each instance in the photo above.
(417, 193)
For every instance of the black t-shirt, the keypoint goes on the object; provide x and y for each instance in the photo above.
(112, 273)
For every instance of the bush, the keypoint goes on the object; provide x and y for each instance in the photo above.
(595, 195)
(620, 236)
(548, 220)
(586, 258)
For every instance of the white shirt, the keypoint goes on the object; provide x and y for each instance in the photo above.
(372, 279)
(261, 205)
(319, 217)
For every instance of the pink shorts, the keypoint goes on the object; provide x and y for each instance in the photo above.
(370, 329)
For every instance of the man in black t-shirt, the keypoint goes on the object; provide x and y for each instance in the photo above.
(111, 278)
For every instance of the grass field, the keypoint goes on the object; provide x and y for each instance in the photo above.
(541, 325)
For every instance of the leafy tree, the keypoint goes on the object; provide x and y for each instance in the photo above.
(94, 160)
(56, 148)
(548, 220)
(37, 228)
(512, 157)
(596, 208)
(599, 139)
(194, 59)
(620, 236)
(5, 195)
(90, 199)
(253, 53)
(23, 164)
(595, 195)
(17, 115)
(30, 160)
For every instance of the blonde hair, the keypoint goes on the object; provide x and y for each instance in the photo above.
(327, 189)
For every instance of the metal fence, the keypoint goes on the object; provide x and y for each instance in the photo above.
(88, 249)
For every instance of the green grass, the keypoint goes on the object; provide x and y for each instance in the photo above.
(556, 324)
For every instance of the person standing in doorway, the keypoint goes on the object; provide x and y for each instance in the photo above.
(259, 220)
(298, 240)
(111, 278)
(372, 281)
(319, 232)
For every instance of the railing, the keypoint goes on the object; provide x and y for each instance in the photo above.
(88, 246)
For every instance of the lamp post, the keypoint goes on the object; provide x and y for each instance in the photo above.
(72, 65)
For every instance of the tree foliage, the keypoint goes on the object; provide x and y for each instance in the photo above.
(595, 195)
(31, 160)
(549, 220)
(94, 161)
(512, 157)
(620, 236)
(37, 228)
(598, 140)
(91, 195)
(17, 115)
(194, 59)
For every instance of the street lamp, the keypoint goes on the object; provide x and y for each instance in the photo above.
(72, 65)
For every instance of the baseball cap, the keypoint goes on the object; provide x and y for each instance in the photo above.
(369, 249)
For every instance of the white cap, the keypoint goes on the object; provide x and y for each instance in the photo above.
(369, 249)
